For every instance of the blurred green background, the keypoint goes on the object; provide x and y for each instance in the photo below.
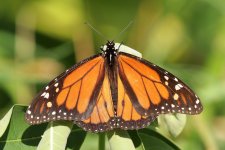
(40, 39)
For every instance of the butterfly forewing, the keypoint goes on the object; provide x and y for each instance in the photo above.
(153, 90)
(72, 95)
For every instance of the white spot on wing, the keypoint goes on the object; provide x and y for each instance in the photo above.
(177, 87)
(43, 94)
(175, 96)
(53, 113)
(166, 83)
(197, 101)
(29, 112)
(56, 84)
(180, 85)
(49, 104)
(46, 95)
(167, 78)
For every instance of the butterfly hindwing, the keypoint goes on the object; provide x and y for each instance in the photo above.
(153, 90)
(72, 95)
(127, 116)
(102, 118)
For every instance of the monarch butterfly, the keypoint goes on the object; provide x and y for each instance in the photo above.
(111, 90)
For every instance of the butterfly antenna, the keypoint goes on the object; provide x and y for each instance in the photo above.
(99, 33)
(124, 29)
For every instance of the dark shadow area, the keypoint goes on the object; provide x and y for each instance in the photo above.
(47, 41)
(155, 140)
(4, 138)
(7, 25)
(76, 138)
(32, 135)
(135, 137)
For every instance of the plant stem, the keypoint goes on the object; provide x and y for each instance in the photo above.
(101, 141)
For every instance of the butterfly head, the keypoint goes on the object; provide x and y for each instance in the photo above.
(109, 51)
(109, 48)
(110, 45)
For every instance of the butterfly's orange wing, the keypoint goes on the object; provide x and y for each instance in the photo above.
(72, 95)
(129, 95)
(153, 90)
(102, 117)
(127, 115)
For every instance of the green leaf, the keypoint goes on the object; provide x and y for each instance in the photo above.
(155, 141)
(91, 141)
(55, 137)
(19, 134)
(172, 123)
(4, 122)
(136, 139)
(120, 139)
